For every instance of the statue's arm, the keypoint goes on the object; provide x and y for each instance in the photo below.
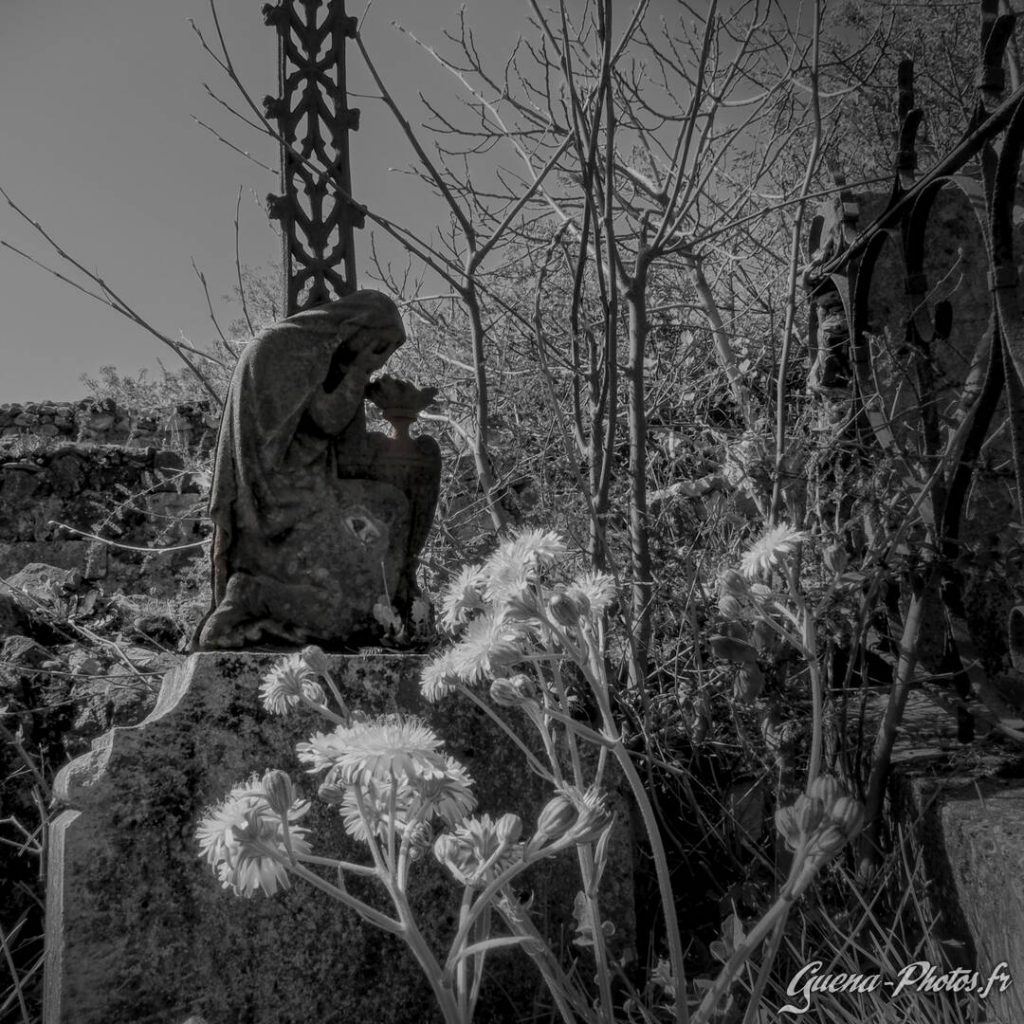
(332, 411)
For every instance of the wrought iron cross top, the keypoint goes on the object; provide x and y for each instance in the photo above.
(315, 210)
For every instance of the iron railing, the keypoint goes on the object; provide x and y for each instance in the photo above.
(985, 167)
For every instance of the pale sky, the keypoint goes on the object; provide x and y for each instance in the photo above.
(98, 144)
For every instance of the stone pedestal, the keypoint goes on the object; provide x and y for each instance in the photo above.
(138, 929)
(967, 827)
(970, 832)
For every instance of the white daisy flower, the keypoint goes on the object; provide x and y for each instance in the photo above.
(597, 587)
(508, 581)
(439, 678)
(448, 796)
(490, 644)
(242, 839)
(536, 547)
(462, 597)
(323, 749)
(770, 549)
(287, 682)
(390, 746)
(514, 565)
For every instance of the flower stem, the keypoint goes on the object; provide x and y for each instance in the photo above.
(585, 853)
(672, 936)
(570, 1003)
(809, 643)
(507, 729)
(331, 862)
(323, 709)
(445, 997)
(336, 693)
(461, 989)
(366, 912)
(776, 915)
(478, 906)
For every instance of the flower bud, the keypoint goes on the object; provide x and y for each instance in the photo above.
(514, 692)
(826, 788)
(835, 557)
(785, 822)
(729, 607)
(592, 822)
(557, 816)
(579, 599)
(563, 609)
(508, 828)
(446, 848)
(731, 582)
(316, 660)
(277, 788)
(503, 693)
(847, 814)
(826, 843)
(749, 684)
(524, 686)
(331, 792)
(809, 813)
(313, 691)
(421, 835)
(456, 857)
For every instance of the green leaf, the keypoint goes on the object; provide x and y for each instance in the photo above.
(730, 649)
(499, 943)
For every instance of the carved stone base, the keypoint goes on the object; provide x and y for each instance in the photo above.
(138, 928)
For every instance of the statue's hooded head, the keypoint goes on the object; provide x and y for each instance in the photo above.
(288, 362)
(354, 322)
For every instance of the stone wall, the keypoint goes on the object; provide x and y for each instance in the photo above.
(191, 426)
(56, 501)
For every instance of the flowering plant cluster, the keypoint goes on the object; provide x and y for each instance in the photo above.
(403, 797)
(762, 605)
(527, 643)
(815, 828)
(756, 615)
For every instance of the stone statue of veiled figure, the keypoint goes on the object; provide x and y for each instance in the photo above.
(316, 519)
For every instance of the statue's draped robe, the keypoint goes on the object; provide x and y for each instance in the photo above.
(275, 500)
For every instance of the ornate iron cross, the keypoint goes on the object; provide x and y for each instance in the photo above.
(315, 209)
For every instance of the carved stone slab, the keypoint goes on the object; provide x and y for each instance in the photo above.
(138, 929)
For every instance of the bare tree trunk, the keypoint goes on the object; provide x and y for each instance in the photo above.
(723, 346)
(639, 541)
(870, 853)
(481, 455)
